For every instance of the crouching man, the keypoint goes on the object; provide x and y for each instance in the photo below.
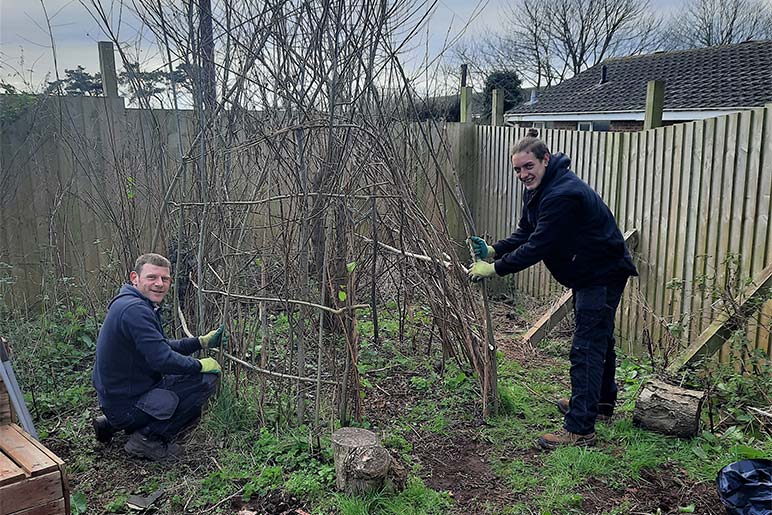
(149, 385)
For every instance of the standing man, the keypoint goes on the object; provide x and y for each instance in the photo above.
(148, 385)
(567, 225)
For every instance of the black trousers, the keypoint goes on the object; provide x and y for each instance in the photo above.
(593, 357)
(192, 390)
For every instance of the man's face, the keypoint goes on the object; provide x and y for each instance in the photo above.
(529, 169)
(152, 281)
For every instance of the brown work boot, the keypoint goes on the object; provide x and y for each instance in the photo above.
(562, 437)
(605, 410)
(152, 449)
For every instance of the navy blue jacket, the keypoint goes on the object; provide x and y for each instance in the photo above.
(567, 225)
(133, 352)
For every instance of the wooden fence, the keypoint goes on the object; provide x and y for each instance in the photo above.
(81, 182)
(698, 193)
(83, 178)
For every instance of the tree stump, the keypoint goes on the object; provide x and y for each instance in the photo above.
(668, 409)
(362, 464)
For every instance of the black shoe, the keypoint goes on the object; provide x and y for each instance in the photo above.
(142, 446)
(605, 410)
(103, 429)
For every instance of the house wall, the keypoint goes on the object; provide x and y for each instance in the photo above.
(565, 126)
(625, 126)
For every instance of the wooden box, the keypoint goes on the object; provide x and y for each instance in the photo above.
(6, 413)
(32, 479)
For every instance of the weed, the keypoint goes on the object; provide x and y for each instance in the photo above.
(118, 504)
(416, 499)
(231, 412)
(268, 479)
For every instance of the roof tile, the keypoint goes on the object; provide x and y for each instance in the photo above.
(705, 78)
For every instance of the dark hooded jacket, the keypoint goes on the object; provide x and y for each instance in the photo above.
(567, 225)
(133, 353)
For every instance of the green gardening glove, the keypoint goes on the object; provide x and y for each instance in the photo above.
(481, 249)
(480, 270)
(213, 339)
(209, 366)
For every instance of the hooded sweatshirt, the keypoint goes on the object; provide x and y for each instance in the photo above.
(133, 353)
(567, 225)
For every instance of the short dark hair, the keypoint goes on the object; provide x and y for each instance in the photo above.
(151, 259)
(530, 143)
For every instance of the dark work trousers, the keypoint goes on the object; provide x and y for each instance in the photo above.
(192, 391)
(593, 357)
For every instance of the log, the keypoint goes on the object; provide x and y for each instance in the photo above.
(668, 409)
(362, 464)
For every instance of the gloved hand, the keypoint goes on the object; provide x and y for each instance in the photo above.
(480, 270)
(209, 366)
(481, 249)
(213, 339)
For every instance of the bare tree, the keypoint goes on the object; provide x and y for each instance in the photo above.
(550, 40)
(707, 23)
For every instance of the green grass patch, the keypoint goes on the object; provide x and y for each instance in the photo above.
(416, 499)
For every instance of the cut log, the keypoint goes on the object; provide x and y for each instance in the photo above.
(668, 409)
(362, 464)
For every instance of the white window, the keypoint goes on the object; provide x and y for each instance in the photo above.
(584, 126)
(595, 125)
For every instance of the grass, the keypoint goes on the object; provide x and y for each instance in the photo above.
(414, 500)
(249, 453)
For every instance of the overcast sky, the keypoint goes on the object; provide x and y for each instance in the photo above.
(25, 45)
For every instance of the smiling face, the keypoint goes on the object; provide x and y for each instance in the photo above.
(152, 281)
(529, 169)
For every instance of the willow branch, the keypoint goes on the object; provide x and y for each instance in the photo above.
(280, 301)
(250, 366)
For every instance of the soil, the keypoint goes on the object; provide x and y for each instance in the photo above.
(461, 463)
(457, 461)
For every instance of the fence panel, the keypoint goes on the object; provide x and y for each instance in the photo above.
(700, 194)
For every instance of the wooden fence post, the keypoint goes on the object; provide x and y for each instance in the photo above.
(497, 108)
(107, 68)
(466, 104)
(655, 101)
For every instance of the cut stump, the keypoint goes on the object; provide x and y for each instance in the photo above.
(668, 409)
(362, 464)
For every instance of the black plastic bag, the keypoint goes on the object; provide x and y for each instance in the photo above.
(745, 487)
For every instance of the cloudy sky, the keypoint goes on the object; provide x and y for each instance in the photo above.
(26, 49)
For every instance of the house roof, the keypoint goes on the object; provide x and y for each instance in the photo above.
(724, 77)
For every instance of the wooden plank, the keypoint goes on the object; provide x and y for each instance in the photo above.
(715, 336)
(57, 507)
(741, 240)
(694, 159)
(764, 342)
(732, 196)
(651, 284)
(765, 233)
(6, 415)
(640, 218)
(714, 220)
(663, 226)
(622, 172)
(9, 471)
(763, 229)
(723, 174)
(549, 319)
(670, 245)
(704, 236)
(31, 492)
(17, 447)
(681, 222)
(42, 448)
